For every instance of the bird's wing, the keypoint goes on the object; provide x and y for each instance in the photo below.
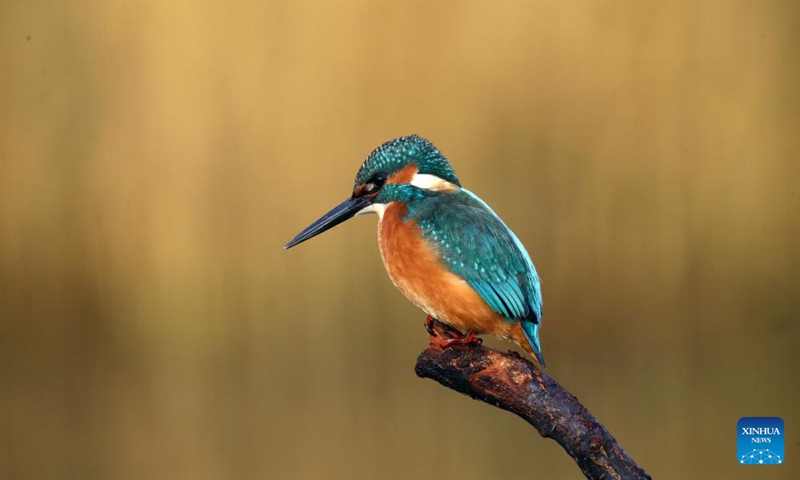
(477, 246)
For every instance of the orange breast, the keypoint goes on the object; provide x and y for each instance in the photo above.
(414, 267)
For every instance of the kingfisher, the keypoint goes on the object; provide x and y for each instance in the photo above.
(442, 246)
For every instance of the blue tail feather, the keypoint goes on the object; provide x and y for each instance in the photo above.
(531, 331)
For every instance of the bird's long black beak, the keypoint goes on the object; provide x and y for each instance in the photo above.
(344, 211)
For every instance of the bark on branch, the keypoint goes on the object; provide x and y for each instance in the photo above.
(512, 383)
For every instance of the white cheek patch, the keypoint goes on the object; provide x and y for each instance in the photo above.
(378, 208)
(431, 182)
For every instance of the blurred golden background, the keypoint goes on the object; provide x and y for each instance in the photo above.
(155, 156)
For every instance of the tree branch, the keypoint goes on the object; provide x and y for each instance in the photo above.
(512, 383)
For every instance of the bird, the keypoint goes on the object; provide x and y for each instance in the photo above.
(443, 247)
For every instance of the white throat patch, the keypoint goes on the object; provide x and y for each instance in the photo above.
(378, 208)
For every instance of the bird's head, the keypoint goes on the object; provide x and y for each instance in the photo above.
(400, 170)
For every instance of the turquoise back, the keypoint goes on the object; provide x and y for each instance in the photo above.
(476, 245)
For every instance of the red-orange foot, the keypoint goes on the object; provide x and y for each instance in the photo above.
(469, 338)
(429, 325)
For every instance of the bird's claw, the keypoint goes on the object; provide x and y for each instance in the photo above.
(429, 325)
(446, 336)
(466, 340)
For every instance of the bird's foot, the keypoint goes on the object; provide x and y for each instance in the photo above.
(443, 335)
(429, 325)
(466, 340)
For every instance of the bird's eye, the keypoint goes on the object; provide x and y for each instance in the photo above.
(375, 183)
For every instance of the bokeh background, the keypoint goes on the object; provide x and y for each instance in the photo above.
(155, 156)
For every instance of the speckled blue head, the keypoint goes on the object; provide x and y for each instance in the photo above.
(394, 155)
(376, 181)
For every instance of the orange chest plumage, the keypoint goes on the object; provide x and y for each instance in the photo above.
(414, 267)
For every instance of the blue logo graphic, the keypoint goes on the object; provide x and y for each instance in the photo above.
(760, 440)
